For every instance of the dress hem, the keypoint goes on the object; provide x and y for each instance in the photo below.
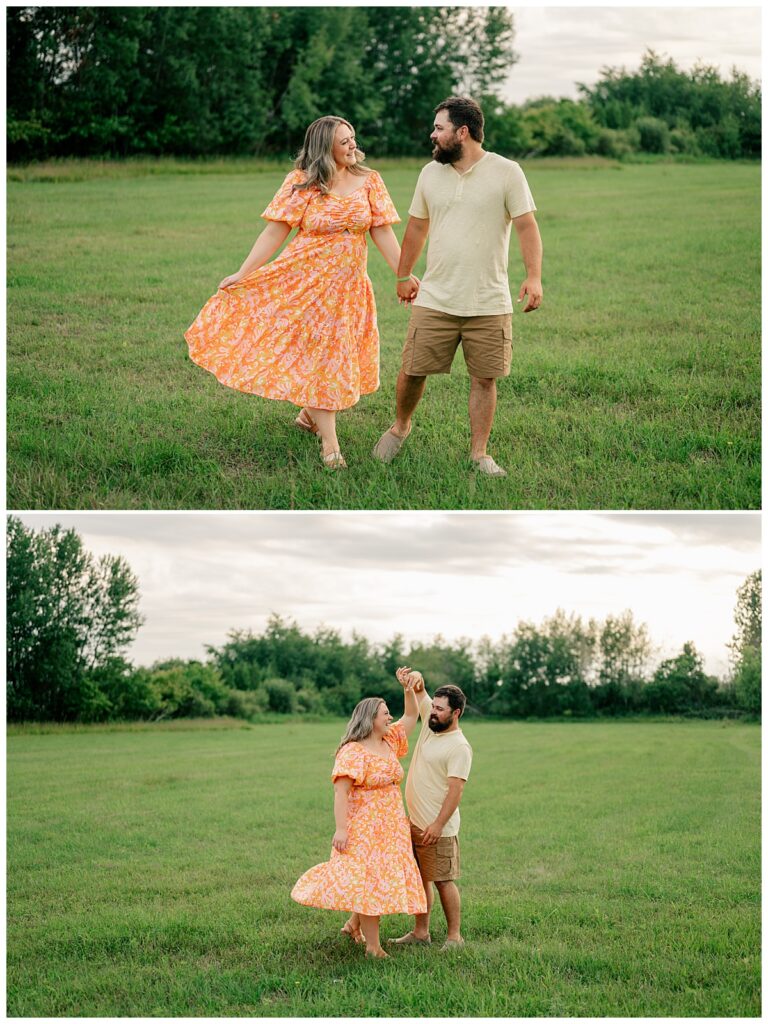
(371, 912)
(298, 402)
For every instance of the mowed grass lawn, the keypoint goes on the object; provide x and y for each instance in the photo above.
(609, 870)
(635, 386)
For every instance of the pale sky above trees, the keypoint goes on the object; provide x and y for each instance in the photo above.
(559, 46)
(459, 574)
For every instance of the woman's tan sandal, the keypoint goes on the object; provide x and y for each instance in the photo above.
(486, 465)
(355, 934)
(334, 460)
(305, 422)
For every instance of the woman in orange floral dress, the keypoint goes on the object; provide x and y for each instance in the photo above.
(372, 870)
(303, 327)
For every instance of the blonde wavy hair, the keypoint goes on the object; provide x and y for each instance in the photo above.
(360, 725)
(316, 155)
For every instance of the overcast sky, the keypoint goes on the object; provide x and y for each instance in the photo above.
(203, 574)
(559, 46)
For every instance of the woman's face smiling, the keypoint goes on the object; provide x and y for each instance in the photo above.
(382, 720)
(344, 147)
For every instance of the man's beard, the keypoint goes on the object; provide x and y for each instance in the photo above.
(448, 154)
(436, 725)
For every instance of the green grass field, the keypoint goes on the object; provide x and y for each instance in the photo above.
(635, 386)
(609, 870)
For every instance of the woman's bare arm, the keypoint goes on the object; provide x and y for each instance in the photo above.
(341, 788)
(265, 246)
(385, 241)
(411, 709)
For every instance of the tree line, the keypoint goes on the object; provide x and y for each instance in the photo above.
(70, 619)
(203, 81)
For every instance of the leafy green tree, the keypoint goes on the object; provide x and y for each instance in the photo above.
(130, 692)
(622, 653)
(340, 699)
(748, 682)
(507, 132)
(547, 668)
(747, 645)
(67, 615)
(203, 80)
(680, 685)
(672, 108)
(442, 663)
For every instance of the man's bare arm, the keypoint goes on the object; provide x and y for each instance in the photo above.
(452, 800)
(531, 250)
(414, 240)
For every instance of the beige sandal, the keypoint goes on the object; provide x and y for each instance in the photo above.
(305, 422)
(409, 939)
(388, 445)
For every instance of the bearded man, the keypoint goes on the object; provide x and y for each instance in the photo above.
(466, 201)
(440, 766)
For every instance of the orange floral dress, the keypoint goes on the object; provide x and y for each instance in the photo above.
(303, 327)
(377, 873)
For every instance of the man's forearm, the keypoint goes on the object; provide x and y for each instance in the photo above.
(413, 243)
(531, 249)
(450, 804)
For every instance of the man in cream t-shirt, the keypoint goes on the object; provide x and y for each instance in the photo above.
(439, 768)
(466, 201)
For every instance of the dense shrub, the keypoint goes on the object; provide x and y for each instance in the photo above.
(652, 135)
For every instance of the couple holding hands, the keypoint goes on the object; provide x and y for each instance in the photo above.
(382, 863)
(303, 329)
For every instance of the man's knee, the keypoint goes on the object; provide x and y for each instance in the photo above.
(413, 380)
(484, 383)
(445, 886)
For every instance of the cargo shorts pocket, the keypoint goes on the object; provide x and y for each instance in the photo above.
(496, 355)
(409, 348)
(506, 332)
(444, 866)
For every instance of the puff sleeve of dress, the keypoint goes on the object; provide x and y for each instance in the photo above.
(382, 208)
(398, 740)
(289, 206)
(350, 763)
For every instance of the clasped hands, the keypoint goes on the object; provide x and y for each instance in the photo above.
(409, 679)
(408, 290)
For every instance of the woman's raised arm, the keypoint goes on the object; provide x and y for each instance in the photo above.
(411, 709)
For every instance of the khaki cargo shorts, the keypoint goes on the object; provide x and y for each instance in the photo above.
(433, 338)
(439, 862)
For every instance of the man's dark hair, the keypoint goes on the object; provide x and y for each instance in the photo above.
(456, 698)
(462, 110)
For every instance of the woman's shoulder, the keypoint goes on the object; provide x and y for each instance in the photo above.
(395, 733)
(295, 177)
(353, 748)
